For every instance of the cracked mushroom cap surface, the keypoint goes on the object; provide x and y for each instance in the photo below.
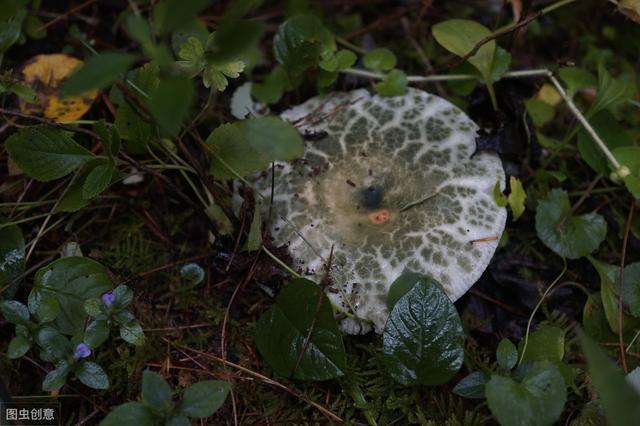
(386, 185)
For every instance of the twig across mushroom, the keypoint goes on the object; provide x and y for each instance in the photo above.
(393, 186)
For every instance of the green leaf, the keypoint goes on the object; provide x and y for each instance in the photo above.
(130, 413)
(124, 297)
(251, 145)
(97, 180)
(271, 89)
(517, 197)
(156, 392)
(394, 84)
(192, 57)
(92, 375)
(500, 199)
(619, 399)
(138, 28)
(500, 65)
(254, 239)
(93, 307)
(631, 288)
(576, 79)
(460, 36)
(132, 332)
(46, 153)
(98, 71)
(18, 346)
(506, 354)
(133, 125)
(233, 39)
(546, 343)
(178, 421)
(54, 343)
(10, 31)
(538, 400)
(301, 42)
(341, 60)
(202, 399)
(72, 280)
(594, 319)
(109, 137)
(403, 284)
(423, 337)
(629, 156)
(170, 15)
(192, 273)
(611, 133)
(608, 277)
(45, 307)
(541, 112)
(611, 92)
(568, 235)
(380, 59)
(96, 333)
(14, 312)
(57, 377)
(170, 102)
(472, 386)
(281, 333)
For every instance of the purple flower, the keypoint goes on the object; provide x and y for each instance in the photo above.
(108, 299)
(82, 351)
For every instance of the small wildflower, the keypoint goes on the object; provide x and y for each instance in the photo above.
(82, 351)
(108, 299)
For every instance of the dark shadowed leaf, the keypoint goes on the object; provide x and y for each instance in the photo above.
(170, 102)
(130, 413)
(507, 354)
(202, 399)
(98, 71)
(301, 42)
(92, 375)
(156, 392)
(472, 386)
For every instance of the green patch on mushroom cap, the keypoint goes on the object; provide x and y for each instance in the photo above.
(391, 186)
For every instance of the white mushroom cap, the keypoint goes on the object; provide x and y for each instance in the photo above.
(392, 186)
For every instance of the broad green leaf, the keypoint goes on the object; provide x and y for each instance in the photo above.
(594, 319)
(423, 337)
(619, 399)
(394, 84)
(472, 386)
(14, 312)
(517, 197)
(46, 153)
(611, 92)
(191, 55)
(501, 63)
(460, 36)
(57, 377)
(73, 200)
(380, 59)
(629, 156)
(130, 413)
(18, 346)
(54, 343)
(93, 307)
(97, 180)
(611, 133)
(72, 280)
(202, 399)
(541, 112)
(133, 124)
(170, 15)
(576, 79)
(98, 71)
(403, 284)
(138, 28)
(341, 60)
(132, 332)
(631, 288)
(507, 354)
(251, 145)
(546, 343)
(233, 38)
(178, 421)
(96, 333)
(156, 392)
(570, 236)
(92, 375)
(170, 102)
(45, 307)
(271, 89)
(538, 400)
(301, 42)
(10, 31)
(282, 331)
(11, 258)
(124, 297)
(192, 273)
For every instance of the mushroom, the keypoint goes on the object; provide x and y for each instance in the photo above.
(386, 185)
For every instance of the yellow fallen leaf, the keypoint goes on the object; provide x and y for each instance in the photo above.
(549, 95)
(45, 74)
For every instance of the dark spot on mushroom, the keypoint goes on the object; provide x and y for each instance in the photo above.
(371, 197)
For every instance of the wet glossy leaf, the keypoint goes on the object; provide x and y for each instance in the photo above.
(46, 153)
(72, 280)
(472, 386)
(570, 236)
(202, 399)
(537, 400)
(131, 332)
(96, 333)
(546, 343)
(619, 399)
(423, 337)
(301, 42)
(282, 331)
(14, 312)
(98, 71)
(251, 145)
(92, 375)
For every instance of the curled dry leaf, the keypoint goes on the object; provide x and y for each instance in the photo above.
(45, 74)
